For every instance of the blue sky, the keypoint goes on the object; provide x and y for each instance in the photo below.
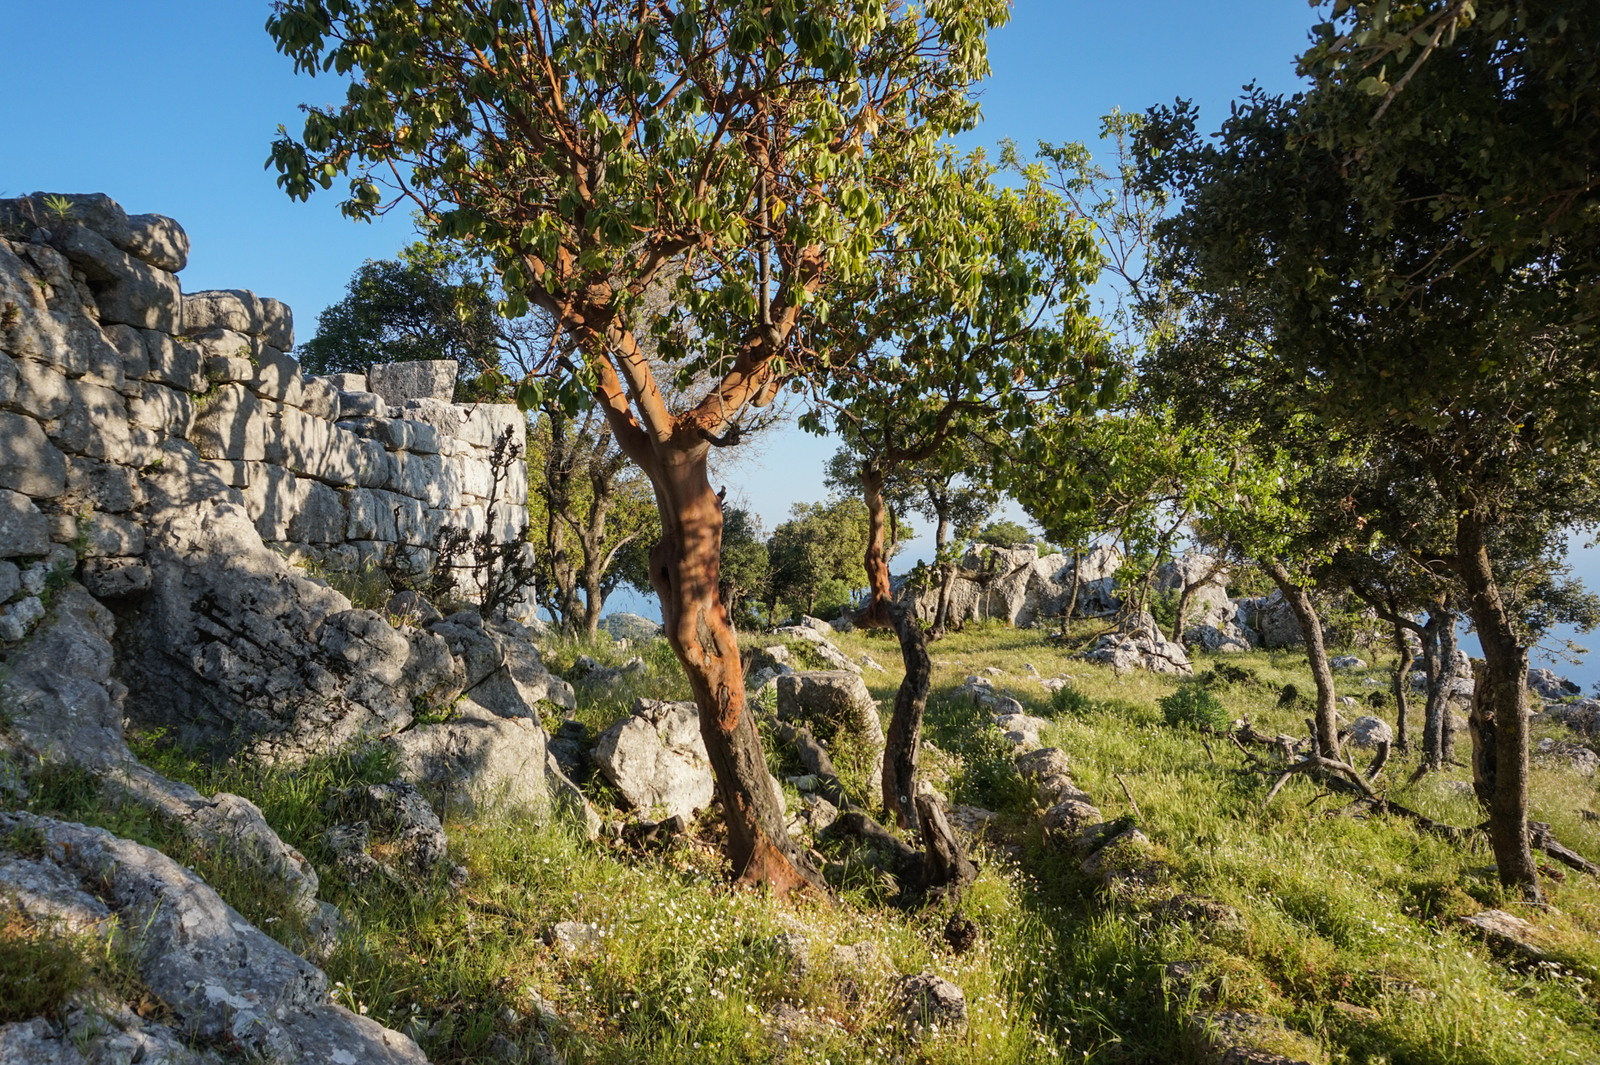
(170, 107)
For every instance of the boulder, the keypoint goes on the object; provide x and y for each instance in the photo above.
(478, 759)
(832, 704)
(221, 978)
(1547, 685)
(1508, 933)
(1347, 662)
(824, 647)
(657, 759)
(1572, 756)
(1140, 644)
(159, 241)
(1368, 731)
(929, 1006)
(1069, 817)
(1273, 620)
(630, 627)
(1049, 769)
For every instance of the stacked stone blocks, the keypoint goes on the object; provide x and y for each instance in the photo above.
(104, 359)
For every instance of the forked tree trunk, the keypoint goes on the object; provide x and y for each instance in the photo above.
(1500, 702)
(1402, 688)
(684, 571)
(1299, 600)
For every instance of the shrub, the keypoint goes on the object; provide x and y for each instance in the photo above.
(1191, 706)
(1069, 700)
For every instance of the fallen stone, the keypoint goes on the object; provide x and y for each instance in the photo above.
(222, 978)
(1070, 816)
(1568, 755)
(657, 758)
(413, 846)
(929, 1006)
(833, 704)
(1140, 644)
(1508, 933)
(575, 939)
(1368, 731)
(1229, 1038)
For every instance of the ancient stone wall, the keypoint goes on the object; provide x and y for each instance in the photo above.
(104, 360)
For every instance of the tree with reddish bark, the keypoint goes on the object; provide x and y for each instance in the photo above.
(750, 155)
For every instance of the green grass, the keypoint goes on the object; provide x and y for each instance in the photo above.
(1335, 910)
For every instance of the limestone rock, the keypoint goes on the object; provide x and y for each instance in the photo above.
(237, 309)
(398, 382)
(630, 627)
(929, 1006)
(1272, 618)
(221, 977)
(1548, 685)
(656, 758)
(1507, 932)
(24, 530)
(832, 704)
(478, 759)
(1347, 662)
(159, 241)
(1070, 816)
(1229, 1038)
(1574, 756)
(116, 578)
(824, 647)
(396, 815)
(1369, 731)
(1140, 645)
(29, 462)
(125, 289)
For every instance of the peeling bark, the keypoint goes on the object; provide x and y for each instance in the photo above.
(683, 571)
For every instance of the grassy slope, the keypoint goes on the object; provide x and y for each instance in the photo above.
(1336, 910)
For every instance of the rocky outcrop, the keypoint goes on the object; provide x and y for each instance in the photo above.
(1140, 644)
(221, 978)
(1016, 585)
(630, 627)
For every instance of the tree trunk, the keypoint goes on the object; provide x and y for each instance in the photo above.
(1183, 609)
(1447, 654)
(1402, 688)
(1299, 600)
(1500, 701)
(1440, 664)
(903, 741)
(683, 571)
(876, 614)
(1072, 596)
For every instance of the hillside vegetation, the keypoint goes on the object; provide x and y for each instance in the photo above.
(1348, 929)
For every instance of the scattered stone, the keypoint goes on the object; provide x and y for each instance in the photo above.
(1229, 1038)
(657, 759)
(1069, 817)
(1508, 933)
(1572, 755)
(396, 816)
(930, 1006)
(960, 933)
(820, 644)
(868, 662)
(1368, 731)
(575, 939)
(1021, 730)
(1197, 909)
(972, 821)
(1049, 769)
(1347, 662)
(1186, 978)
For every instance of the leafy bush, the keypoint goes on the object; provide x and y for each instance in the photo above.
(1191, 706)
(1071, 701)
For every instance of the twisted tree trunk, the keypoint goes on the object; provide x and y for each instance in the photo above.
(1439, 659)
(1299, 600)
(1500, 710)
(1402, 687)
(683, 571)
